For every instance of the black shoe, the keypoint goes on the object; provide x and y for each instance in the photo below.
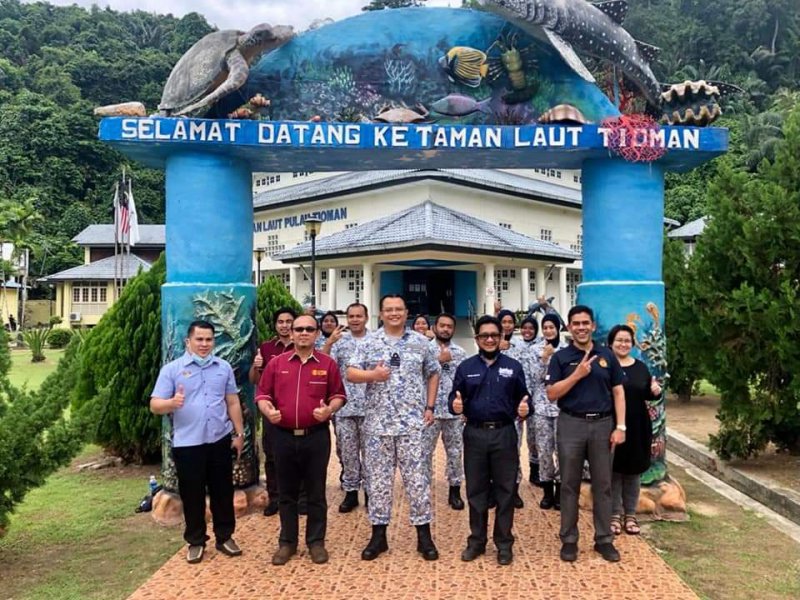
(377, 543)
(425, 545)
(454, 499)
(548, 501)
(569, 552)
(350, 502)
(470, 553)
(534, 476)
(271, 508)
(607, 551)
(504, 556)
(557, 495)
(518, 503)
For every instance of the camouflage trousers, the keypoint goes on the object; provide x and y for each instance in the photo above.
(546, 439)
(531, 437)
(350, 449)
(452, 432)
(382, 455)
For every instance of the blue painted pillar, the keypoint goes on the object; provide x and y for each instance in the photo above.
(209, 231)
(623, 231)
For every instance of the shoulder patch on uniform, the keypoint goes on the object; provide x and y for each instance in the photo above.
(603, 363)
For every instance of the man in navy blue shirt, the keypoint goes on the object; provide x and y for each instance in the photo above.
(489, 389)
(586, 381)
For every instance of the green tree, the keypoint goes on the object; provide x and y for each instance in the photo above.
(271, 295)
(119, 365)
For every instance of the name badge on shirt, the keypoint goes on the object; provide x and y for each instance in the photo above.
(186, 374)
(505, 372)
(319, 372)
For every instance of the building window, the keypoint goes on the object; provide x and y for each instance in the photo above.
(502, 279)
(505, 225)
(323, 281)
(573, 279)
(546, 235)
(301, 174)
(532, 282)
(284, 278)
(350, 225)
(578, 245)
(86, 292)
(577, 178)
(272, 246)
(354, 279)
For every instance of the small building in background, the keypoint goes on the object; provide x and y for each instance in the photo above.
(689, 233)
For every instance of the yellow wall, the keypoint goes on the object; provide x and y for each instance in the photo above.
(9, 304)
(64, 306)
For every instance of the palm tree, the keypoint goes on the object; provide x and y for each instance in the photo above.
(17, 220)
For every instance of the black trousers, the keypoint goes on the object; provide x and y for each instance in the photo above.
(302, 461)
(201, 469)
(271, 476)
(491, 460)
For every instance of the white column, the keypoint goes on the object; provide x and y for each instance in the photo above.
(293, 277)
(563, 299)
(526, 288)
(367, 295)
(488, 293)
(541, 282)
(332, 282)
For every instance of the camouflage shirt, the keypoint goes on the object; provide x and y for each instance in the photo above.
(396, 406)
(446, 378)
(541, 405)
(523, 354)
(342, 351)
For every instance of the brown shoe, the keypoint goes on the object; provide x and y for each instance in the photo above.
(195, 554)
(282, 556)
(229, 547)
(318, 554)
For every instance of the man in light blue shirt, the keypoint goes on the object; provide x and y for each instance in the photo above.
(198, 391)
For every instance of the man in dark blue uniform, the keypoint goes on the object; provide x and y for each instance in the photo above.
(586, 380)
(489, 389)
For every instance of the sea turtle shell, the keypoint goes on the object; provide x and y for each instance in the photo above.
(401, 114)
(201, 69)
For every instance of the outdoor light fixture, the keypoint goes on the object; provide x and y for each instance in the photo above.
(313, 226)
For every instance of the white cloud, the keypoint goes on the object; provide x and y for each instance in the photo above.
(244, 14)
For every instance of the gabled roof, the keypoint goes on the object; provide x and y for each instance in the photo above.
(428, 226)
(103, 235)
(359, 181)
(103, 269)
(691, 230)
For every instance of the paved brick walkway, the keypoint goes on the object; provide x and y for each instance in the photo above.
(537, 572)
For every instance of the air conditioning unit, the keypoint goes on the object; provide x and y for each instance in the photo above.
(75, 317)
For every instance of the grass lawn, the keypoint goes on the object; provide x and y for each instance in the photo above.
(727, 552)
(77, 536)
(25, 372)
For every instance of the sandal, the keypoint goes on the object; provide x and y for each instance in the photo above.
(616, 524)
(632, 525)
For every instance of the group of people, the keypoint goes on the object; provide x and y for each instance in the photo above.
(391, 394)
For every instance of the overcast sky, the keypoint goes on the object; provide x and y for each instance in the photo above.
(243, 14)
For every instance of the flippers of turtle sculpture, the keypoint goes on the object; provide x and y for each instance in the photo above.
(217, 65)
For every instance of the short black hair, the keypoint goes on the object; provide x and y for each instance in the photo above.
(616, 329)
(281, 311)
(385, 296)
(199, 325)
(444, 315)
(580, 308)
(487, 319)
(356, 305)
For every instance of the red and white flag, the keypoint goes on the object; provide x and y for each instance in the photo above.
(132, 218)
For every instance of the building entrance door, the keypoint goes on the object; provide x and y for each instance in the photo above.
(429, 291)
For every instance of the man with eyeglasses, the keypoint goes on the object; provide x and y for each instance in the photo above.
(402, 376)
(299, 392)
(449, 426)
(489, 389)
(586, 381)
(282, 342)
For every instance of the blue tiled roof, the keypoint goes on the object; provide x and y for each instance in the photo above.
(102, 270)
(425, 225)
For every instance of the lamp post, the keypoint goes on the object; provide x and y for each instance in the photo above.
(313, 226)
(259, 252)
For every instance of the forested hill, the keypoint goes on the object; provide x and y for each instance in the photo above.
(57, 63)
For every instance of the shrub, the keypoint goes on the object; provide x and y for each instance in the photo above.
(36, 339)
(272, 295)
(59, 338)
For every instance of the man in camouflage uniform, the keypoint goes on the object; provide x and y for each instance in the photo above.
(350, 419)
(449, 425)
(402, 377)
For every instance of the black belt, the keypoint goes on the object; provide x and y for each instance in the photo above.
(303, 432)
(489, 424)
(589, 416)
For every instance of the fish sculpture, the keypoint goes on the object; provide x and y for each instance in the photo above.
(465, 65)
(593, 29)
(456, 105)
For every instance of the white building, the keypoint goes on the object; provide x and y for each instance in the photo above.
(452, 240)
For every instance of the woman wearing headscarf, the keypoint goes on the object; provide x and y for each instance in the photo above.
(545, 413)
(632, 458)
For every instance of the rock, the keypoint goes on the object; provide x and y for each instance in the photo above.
(125, 109)
(665, 501)
(167, 509)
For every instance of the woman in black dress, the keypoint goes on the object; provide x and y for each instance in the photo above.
(632, 458)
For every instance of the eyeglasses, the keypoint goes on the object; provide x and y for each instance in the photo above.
(304, 329)
(488, 336)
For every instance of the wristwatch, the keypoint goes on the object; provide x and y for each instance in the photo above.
(235, 435)
(622, 428)
(429, 408)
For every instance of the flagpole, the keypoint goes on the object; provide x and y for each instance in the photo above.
(116, 238)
